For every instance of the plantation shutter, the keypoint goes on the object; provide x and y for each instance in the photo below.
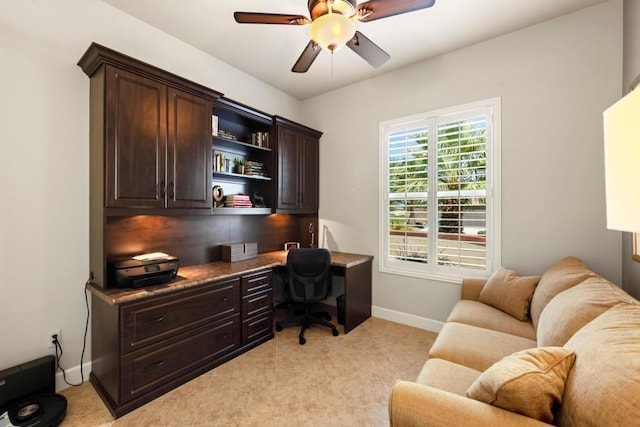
(407, 155)
(440, 194)
(461, 149)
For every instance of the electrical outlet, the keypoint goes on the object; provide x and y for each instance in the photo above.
(58, 333)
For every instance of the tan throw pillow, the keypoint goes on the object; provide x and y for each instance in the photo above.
(507, 291)
(529, 382)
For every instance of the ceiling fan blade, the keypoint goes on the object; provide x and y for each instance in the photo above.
(305, 60)
(269, 18)
(378, 9)
(368, 50)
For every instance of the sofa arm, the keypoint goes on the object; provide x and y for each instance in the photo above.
(416, 405)
(471, 287)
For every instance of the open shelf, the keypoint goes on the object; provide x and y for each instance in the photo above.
(241, 211)
(231, 144)
(232, 175)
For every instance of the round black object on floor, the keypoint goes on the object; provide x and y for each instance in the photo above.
(46, 410)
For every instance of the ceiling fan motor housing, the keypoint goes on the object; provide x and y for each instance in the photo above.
(318, 8)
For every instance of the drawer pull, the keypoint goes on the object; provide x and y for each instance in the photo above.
(157, 319)
(222, 336)
(153, 366)
(225, 299)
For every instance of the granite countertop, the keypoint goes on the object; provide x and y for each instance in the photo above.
(196, 275)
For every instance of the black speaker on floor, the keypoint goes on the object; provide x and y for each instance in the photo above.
(27, 395)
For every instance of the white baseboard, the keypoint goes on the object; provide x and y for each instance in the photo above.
(73, 376)
(407, 319)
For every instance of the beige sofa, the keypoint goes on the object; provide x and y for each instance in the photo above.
(577, 356)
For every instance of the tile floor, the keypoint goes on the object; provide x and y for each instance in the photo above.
(342, 381)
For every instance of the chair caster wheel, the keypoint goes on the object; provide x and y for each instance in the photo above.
(327, 316)
(302, 340)
(278, 327)
(335, 332)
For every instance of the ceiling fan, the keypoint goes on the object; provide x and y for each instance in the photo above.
(333, 26)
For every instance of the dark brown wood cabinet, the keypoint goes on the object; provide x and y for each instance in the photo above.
(157, 142)
(150, 145)
(189, 150)
(257, 306)
(135, 139)
(298, 167)
(150, 137)
(144, 348)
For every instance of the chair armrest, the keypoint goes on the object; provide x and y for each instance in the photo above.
(471, 287)
(416, 405)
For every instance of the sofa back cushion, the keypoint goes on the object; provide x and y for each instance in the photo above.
(510, 293)
(603, 386)
(567, 273)
(570, 310)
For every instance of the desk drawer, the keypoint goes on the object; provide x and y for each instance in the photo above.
(153, 320)
(257, 303)
(147, 369)
(256, 282)
(257, 327)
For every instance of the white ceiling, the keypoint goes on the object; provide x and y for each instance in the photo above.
(268, 52)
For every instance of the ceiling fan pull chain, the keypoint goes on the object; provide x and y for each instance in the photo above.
(332, 64)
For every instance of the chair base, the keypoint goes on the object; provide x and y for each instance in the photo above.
(305, 321)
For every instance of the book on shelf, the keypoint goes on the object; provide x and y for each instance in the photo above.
(261, 139)
(237, 201)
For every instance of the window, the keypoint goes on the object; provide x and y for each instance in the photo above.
(439, 192)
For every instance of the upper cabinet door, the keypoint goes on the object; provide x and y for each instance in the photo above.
(309, 174)
(289, 190)
(298, 167)
(189, 151)
(135, 140)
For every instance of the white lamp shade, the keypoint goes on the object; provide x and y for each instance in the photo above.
(332, 31)
(622, 163)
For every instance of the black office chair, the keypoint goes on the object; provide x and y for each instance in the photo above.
(308, 283)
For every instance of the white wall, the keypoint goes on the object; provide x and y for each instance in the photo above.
(44, 137)
(555, 79)
(631, 69)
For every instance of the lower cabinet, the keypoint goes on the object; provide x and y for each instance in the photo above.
(257, 306)
(145, 348)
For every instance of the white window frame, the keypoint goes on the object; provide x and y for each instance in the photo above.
(431, 270)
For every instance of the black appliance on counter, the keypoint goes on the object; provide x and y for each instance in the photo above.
(142, 270)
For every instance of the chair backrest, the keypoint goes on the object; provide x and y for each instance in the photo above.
(308, 273)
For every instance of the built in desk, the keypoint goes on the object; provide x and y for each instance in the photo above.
(148, 341)
(355, 268)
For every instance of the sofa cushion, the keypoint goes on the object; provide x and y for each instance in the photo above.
(447, 376)
(507, 291)
(474, 347)
(485, 316)
(570, 310)
(565, 274)
(602, 387)
(529, 382)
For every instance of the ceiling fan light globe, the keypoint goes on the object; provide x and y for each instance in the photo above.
(332, 31)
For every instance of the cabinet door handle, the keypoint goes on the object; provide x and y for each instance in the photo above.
(161, 190)
(171, 191)
(153, 366)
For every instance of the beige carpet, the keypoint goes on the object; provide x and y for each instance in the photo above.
(339, 381)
